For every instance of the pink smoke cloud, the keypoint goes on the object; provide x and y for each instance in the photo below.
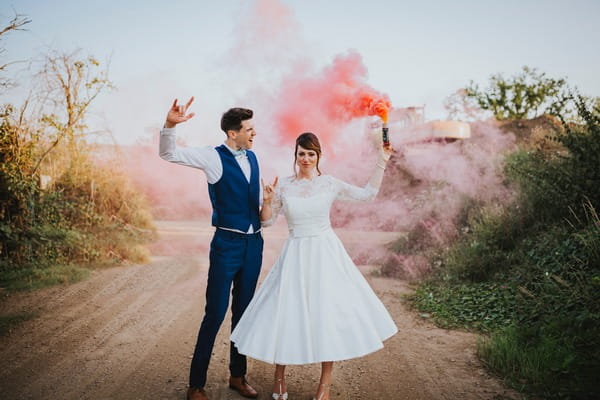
(327, 101)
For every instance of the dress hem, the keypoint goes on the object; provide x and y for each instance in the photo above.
(336, 359)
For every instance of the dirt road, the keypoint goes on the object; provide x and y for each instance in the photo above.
(128, 333)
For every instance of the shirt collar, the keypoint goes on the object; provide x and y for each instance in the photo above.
(236, 153)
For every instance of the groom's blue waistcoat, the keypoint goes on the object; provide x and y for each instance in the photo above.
(235, 201)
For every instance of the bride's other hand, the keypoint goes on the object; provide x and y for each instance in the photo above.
(269, 190)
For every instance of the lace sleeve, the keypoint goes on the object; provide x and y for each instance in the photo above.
(346, 191)
(276, 206)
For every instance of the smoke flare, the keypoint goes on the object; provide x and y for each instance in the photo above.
(325, 103)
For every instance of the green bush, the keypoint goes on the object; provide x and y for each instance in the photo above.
(529, 273)
(479, 306)
(555, 185)
(549, 293)
(548, 360)
(493, 232)
(89, 214)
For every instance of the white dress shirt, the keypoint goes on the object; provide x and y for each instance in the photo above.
(205, 158)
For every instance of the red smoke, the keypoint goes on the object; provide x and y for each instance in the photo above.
(328, 101)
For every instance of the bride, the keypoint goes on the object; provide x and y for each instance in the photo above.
(314, 305)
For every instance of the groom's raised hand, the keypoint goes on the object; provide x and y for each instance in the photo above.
(177, 114)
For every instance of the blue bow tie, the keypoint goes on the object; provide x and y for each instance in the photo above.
(239, 153)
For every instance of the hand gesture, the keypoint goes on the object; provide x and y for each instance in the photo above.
(177, 113)
(269, 190)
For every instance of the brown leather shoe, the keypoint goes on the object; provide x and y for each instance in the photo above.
(196, 394)
(241, 386)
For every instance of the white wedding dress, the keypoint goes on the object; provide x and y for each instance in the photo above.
(314, 305)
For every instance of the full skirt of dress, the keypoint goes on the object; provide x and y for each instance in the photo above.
(313, 306)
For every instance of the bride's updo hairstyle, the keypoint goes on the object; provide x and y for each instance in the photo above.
(309, 141)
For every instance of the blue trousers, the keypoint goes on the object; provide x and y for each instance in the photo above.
(235, 260)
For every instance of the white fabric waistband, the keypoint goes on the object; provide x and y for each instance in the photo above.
(306, 231)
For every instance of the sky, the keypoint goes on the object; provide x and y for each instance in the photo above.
(231, 53)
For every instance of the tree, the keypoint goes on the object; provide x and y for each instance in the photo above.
(15, 24)
(70, 85)
(35, 223)
(526, 95)
(462, 107)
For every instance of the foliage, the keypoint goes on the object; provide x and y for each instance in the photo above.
(527, 94)
(417, 240)
(88, 214)
(542, 361)
(529, 273)
(481, 306)
(578, 173)
(37, 278)
(59, 207)
(493, 231)
(555, 184)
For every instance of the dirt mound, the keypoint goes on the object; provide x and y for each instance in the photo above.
(534, 133)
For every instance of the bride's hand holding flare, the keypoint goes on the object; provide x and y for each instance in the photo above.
(177, 114)
(386, 151)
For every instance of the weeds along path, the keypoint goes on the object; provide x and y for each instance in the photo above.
(128, 333)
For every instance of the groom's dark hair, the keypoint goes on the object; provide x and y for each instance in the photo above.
(232, 118)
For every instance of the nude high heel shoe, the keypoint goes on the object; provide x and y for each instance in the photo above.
(323, 393)
(280, 396)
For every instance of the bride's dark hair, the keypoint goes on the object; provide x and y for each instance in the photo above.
(309, 141)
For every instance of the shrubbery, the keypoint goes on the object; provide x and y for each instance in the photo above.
(59, 208)
(529, 273)
(87, 214)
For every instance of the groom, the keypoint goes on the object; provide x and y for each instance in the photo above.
(236, 248)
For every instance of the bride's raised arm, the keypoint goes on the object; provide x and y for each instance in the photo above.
(369, 192)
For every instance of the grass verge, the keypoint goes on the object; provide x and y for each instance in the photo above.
(37, 278)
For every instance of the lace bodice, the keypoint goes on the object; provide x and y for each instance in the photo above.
(306, 203)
